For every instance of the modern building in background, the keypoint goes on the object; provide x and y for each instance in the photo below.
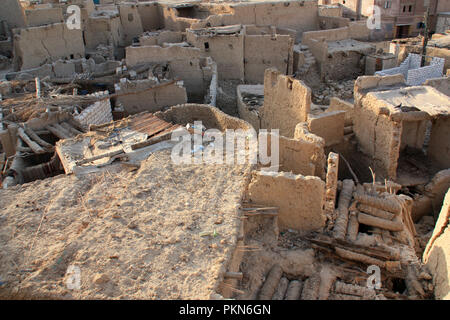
(399, 18)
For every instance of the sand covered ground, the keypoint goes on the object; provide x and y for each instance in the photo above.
(161, 232)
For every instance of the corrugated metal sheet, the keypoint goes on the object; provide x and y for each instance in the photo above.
(150, 124)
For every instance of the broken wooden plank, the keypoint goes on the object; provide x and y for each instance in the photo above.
(375, 211)
(70, 128)
(33, 145)
(271, 283)
(387, 204)
(151, 141)
(33, 135)
(101, 156)
(233, 275)
(350, 255)
(379, 222)
(340, 227)
(58, 133)
(62, 129)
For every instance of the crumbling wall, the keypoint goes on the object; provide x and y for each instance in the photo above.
(287, 102)
(151, 15)
(43, 16)
(337, 104)
(151, 97)
(327, 35)
(227, 50)
(436, 189)
(330, 11)
(440, 84)
(103, 30)
(184, 63)
(131, 22)
(12, 12)
(328, 125)
(301, 156)
(36, 45)
(317, 157)
(378, 136)
(299, 198)
(160, 37)
(211, 117)
(437, 253)
(343, 64)
(145, 54)
(265, 51)
(268, 13)
(439, 145)
(332, 22)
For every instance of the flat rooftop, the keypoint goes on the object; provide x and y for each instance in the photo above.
(347, 45)
(424, 98)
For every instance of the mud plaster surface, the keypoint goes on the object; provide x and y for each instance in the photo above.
(134, 235)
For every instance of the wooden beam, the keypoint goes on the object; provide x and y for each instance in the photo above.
(33, 145)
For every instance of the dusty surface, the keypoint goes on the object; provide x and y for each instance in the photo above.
(162, 232)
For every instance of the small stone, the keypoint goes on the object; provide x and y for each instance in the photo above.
(132, 225)
(100, 278)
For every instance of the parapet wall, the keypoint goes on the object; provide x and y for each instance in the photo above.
(300, 199)
(210, 116)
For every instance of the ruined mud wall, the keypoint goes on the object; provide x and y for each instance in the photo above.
(266, 51)
(184, 63)
(328, 125)
(333, 22)
(440, 84)
(299, 198)
(287, 102)
(437, 253)
(330, 11)
(226, 50)
(36, 45)
(159, 38)
(377, 135)
(12, 12)
(339, 104)
(280, 14)
(101, 30)
(151, 15)
(301, 156)
(131, 22)
(439, 146)
(343, 64)
(211, 117)
(149, 99)
(43, 16)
